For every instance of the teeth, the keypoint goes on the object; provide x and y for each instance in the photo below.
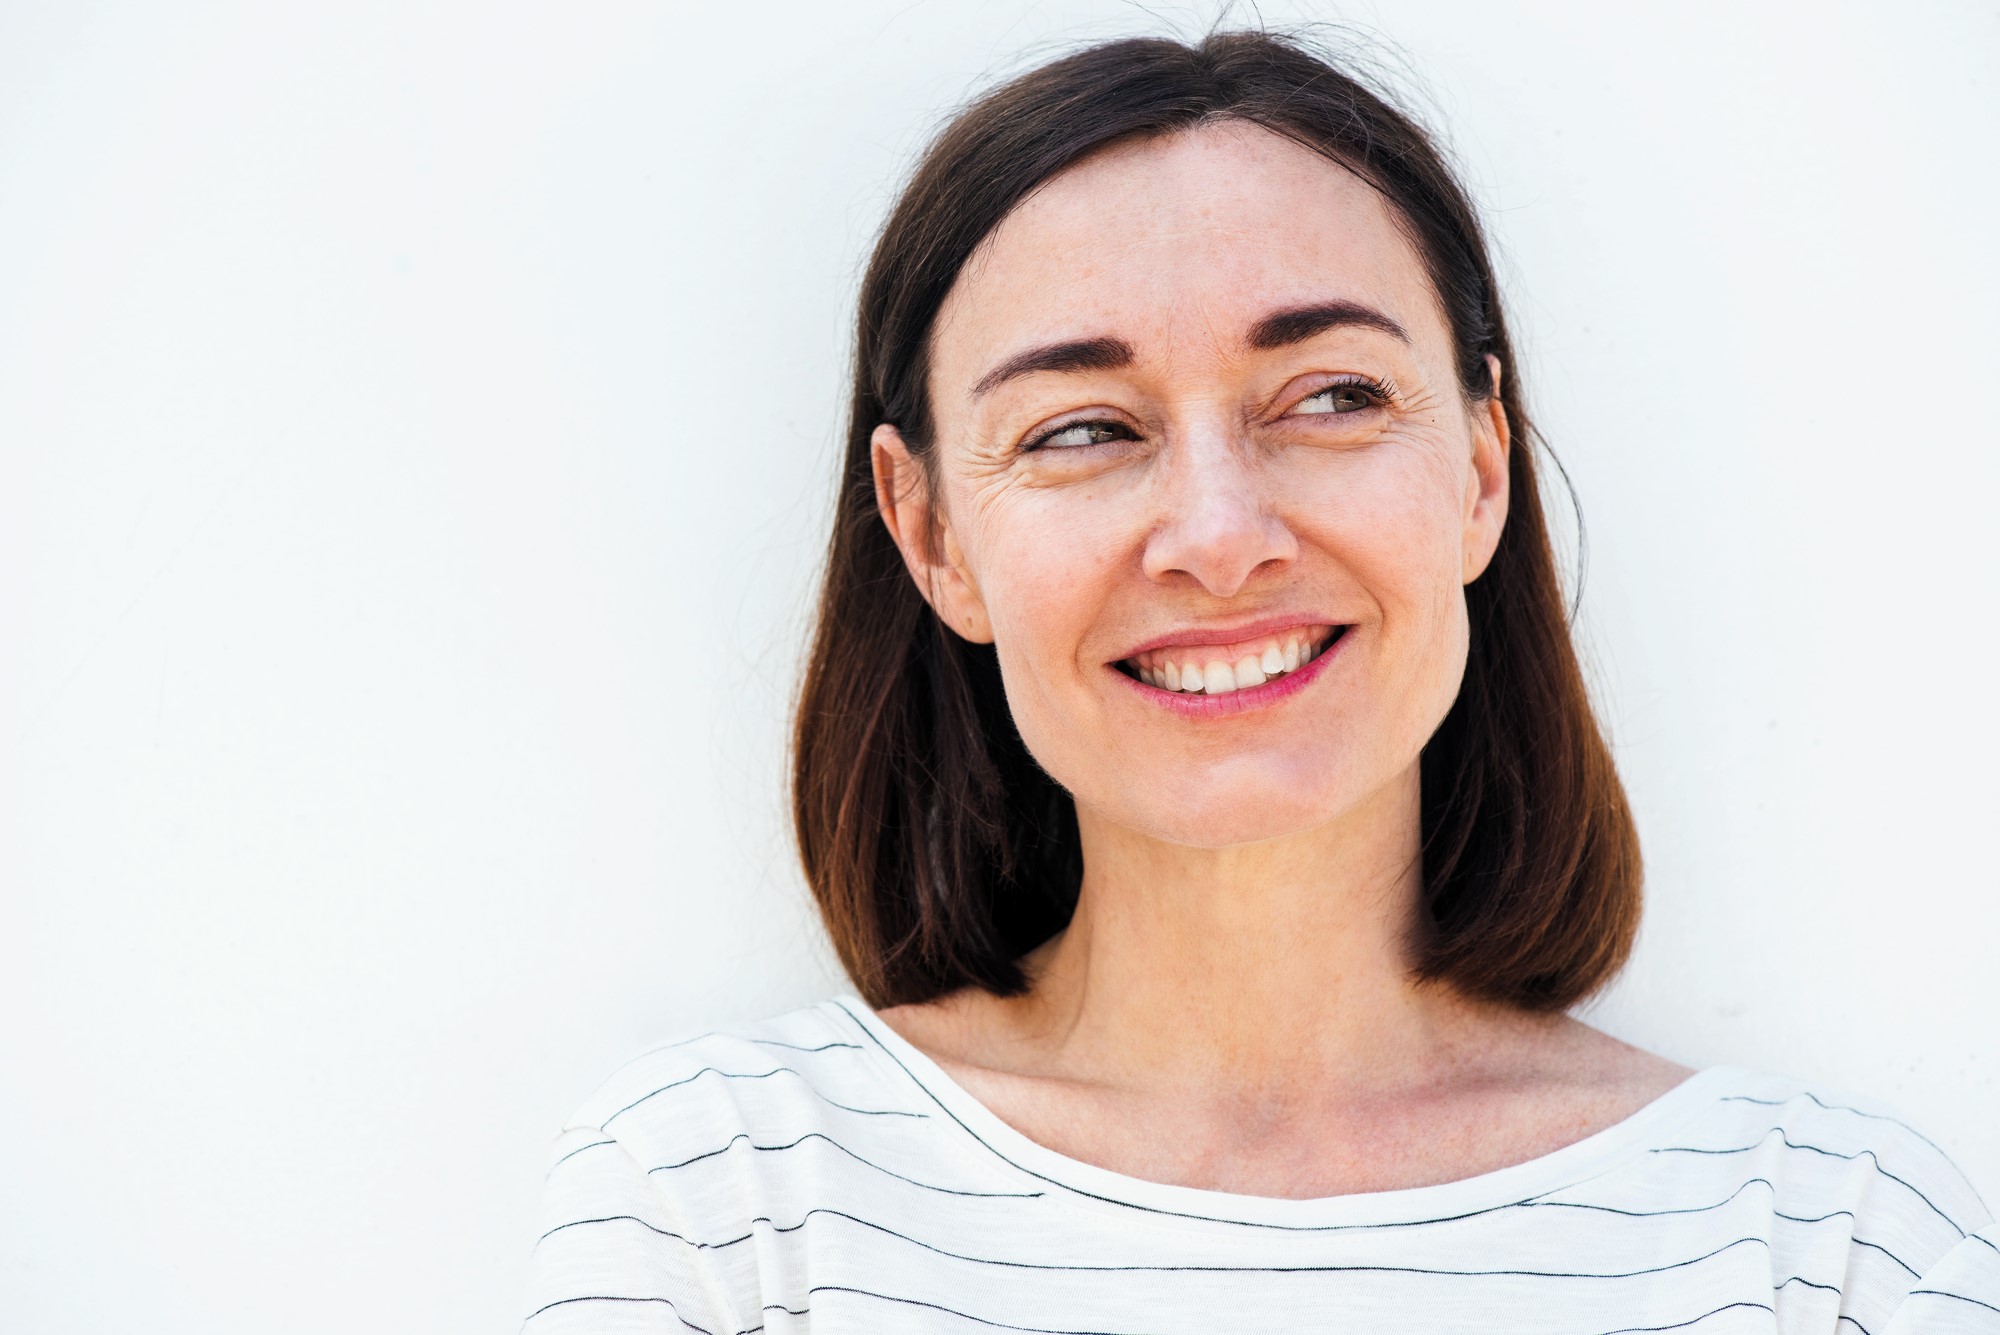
(1219, 677)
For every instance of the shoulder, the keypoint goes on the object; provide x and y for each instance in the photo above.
(1809, 1131)
(1831, 1162)
(692, 1094)
(1840, 1196)
(651, 1194)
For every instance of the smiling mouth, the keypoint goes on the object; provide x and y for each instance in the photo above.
(1218, 669)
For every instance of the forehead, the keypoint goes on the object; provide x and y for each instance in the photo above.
(1199, 232)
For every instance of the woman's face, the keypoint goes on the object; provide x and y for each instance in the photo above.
(1196, 423)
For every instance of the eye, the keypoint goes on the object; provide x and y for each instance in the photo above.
(1345, 396)
(1080, 433)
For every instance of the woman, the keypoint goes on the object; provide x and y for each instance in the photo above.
(1197, 780)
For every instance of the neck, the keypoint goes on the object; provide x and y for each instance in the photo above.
(1262, 966)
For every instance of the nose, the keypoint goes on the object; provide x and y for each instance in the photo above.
(1216, 522)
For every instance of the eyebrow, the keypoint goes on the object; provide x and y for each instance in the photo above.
(1083, 354)
(1294, 324)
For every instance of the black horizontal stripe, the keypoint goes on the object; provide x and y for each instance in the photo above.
(742, 1038)
(1330, 1268)
(593, 1145)
(1543, 1203)
(754, 1075)
(1359, 1269)
(1299, 1270)
(1836, 1107)
(1944, 1293)
(614, 1298)
(799, 1047)
(1683, 1325)
(1703, 1209)
(952, 1311)
(1801, 1279)
(1876, 1246)
(743, 1138)
(1789, 1143)
(619, 1218)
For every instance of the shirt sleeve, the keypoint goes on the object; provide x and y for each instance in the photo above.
(613, 1256)
(1960, 1295)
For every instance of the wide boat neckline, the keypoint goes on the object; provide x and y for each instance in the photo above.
(1499, 1188)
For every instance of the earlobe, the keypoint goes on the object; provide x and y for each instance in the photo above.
(955, 597)
(929, 548)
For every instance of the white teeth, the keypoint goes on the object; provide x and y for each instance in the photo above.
(1217, 677)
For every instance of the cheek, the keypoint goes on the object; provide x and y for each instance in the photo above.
(1045, 562)
(1394, 526)
(1392, 518)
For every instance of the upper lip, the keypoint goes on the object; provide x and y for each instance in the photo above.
(1247, 630)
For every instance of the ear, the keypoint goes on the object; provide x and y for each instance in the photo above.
(924, 536)
(1486, 487)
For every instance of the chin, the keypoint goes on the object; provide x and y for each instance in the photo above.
(1227, 815)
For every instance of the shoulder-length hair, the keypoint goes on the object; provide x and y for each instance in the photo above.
(939, 852)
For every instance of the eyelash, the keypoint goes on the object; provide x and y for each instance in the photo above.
(1383, 391)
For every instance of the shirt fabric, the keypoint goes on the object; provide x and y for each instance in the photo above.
(816, 1172)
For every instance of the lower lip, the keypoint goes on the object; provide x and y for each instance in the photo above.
(1190, 705)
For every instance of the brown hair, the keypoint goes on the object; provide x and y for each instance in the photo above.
(938, 850)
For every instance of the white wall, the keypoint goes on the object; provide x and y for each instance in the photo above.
(417, 424)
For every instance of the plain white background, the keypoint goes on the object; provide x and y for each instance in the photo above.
(418, 424)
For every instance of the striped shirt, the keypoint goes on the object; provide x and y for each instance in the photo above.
(816, 1172)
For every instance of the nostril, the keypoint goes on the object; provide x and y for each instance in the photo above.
(1221, 546)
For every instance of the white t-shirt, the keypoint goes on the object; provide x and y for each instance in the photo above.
(816, 1172)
